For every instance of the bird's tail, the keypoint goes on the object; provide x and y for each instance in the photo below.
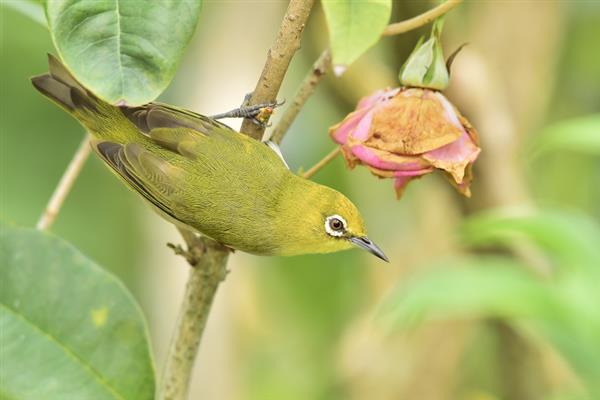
(62, 88)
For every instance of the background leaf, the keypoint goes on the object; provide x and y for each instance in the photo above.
(468, 288)
(31, 8)
(581, 134)
(122, 50)
(570, 238)
(69, 329)
(561, 309)
(354, 26)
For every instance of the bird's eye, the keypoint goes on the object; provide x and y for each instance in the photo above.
(335, 225)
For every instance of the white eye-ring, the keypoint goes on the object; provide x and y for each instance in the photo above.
(335, 225)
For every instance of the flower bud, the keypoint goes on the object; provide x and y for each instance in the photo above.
(426, 66)
(405, 133)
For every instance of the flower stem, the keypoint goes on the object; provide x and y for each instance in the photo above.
(420, 20)
(64, 185)
(209, 257)
(323, 162)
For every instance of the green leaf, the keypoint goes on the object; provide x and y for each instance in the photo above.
(354, 26)
(123, 51)
(571, 239)
(580, 134)
(468, 288)
(30, 8)
(498, 287)
(70, 330)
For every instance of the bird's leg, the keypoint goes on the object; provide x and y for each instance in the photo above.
(258, 113)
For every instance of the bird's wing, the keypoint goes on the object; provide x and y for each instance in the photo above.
(191, 135)
(180, 131)
(151, 176)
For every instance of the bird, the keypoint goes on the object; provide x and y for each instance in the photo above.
(200, 174)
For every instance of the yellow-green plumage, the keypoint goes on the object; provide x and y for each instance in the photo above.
(202, 174)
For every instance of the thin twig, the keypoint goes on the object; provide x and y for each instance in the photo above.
(278, 60)
(209, 256)
(323, 162)
(323, 63)
(420, 20)
(307, 87)
(64, 185)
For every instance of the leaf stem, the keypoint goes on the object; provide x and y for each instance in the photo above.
(211, 257)
(323, 162)
(64, 185)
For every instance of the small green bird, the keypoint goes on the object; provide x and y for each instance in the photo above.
(201, 174)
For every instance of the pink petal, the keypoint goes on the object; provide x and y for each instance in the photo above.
(340, 135)
(454, 157)
(401, 180)
(400, 184)
(363, 128)
(451, 115)
(386, 161)
(371, 100)
(418, 172)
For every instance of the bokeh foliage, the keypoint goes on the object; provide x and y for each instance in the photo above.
(303, 327)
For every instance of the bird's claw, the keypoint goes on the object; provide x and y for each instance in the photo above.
(257, 113)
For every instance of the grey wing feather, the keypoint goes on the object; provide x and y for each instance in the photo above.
(155, 179)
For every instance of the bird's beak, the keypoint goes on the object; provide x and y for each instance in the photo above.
(364, 243)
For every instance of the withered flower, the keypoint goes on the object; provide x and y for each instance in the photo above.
(407, 132)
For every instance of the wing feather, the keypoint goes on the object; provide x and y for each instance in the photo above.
(155, 179)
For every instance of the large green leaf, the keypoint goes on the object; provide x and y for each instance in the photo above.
(122, 50)
(354, 26)
(69, 329)
(580, 134)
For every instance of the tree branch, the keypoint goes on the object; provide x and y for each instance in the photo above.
(208, 259)
(64, 185)
(307, 87)
(210, 256)
(278, 60)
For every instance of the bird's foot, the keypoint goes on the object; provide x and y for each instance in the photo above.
(257, 113)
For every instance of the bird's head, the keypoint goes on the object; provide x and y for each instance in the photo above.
(326, 221)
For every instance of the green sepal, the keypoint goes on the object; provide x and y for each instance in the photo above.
(426, 67)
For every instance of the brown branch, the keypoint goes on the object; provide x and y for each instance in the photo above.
(209, 256)
(64, 185)
(208, 259)
(323, 63)
(278, 60)
(323, 162)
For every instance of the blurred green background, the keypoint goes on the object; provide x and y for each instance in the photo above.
(311, 327)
